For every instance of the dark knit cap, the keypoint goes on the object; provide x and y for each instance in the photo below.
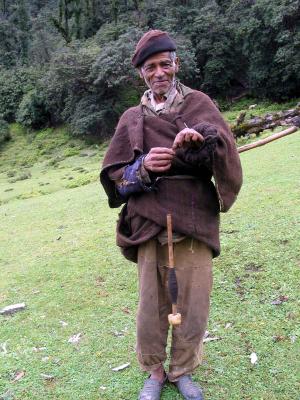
(152, 42)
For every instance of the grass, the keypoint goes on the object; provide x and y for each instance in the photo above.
(261, 108)
(58, 255)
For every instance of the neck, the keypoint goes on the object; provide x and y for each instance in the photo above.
(159, 98)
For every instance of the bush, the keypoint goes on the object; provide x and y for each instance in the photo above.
(13, 85)
(32, 111)
(4, 131)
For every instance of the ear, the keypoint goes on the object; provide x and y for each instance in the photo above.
(177, 63)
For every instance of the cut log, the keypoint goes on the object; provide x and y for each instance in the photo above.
(13, 309)
(269, 121)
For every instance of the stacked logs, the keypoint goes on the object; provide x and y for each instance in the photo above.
(256, 124)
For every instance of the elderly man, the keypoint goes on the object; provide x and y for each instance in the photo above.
(161, 160)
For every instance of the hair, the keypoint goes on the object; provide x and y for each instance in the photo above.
(172, 54)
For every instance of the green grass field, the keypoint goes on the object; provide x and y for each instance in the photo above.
(58, 255)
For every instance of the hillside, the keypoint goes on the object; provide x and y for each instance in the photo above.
(58, 255)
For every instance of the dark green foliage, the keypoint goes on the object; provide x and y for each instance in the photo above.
(78, 19)
(227, 48)
(271, 44)
(92, 116)
(13, 85)
(113, 65)
(14, 33)
(32, 111)
(222, 68)
(69, 89)
(68, 21)
(4, 131)
(9, 46)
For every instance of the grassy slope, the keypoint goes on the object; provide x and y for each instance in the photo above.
(57, 254)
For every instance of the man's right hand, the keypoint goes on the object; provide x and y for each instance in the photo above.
(159, 159)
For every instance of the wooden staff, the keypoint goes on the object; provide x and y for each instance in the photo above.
(269, 139)
(175, 317)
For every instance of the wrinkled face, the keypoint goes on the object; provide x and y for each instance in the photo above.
(158, 72)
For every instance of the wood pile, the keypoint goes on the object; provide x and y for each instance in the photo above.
(257, 124)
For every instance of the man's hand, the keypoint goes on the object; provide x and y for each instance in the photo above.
(159, 159)
(187, 136)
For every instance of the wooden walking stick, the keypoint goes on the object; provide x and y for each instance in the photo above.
(268, 139)
(175, 317)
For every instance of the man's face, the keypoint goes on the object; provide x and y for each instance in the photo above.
(158, 71)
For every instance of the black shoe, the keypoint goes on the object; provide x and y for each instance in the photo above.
(151, 390)
(189, 389)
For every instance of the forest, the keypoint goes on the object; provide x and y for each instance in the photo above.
(69, 61)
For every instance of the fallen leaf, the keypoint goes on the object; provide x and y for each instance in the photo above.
(38, 349)
(3, 348)
(253, 358)
(126, 310)
(46, 358)
(118, 334)
(75, 338)
(47, 377)
(62, 226)
(252, 267)
(58, 238)
(63, 323)
(18, 375)
(293, 339)
(228, 325)
(99, 281)
(280, 300)
(102, 388)
(121, 367)
(291, 315)
(229, 232)
(102, 293)
(279, 338)
(210, 339)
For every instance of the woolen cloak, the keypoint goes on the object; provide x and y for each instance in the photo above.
(187, 192)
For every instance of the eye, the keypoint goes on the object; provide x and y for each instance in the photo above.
(166, 65)
(149, 68)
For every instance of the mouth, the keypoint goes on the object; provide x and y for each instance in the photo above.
(160, 82)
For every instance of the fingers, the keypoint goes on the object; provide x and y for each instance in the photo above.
(162, 150)
(186, 136)
(157, 166)
(159, 159)
(161, 169)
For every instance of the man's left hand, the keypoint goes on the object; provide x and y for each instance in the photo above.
(187, 136)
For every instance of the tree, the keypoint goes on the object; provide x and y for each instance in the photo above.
(271, 37)
(218, 54)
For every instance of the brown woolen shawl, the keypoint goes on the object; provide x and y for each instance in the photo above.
(193, 203)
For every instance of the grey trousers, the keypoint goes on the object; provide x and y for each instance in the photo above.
(193, 262)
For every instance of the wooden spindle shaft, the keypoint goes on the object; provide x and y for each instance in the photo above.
(170, 241)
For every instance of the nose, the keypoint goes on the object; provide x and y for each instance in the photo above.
(159, 71)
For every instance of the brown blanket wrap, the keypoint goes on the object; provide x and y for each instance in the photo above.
(193, 203)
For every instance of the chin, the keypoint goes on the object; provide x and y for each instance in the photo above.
(161, 91)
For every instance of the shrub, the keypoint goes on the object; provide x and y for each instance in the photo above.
(22, 177)
(4, 131)
(13, 85)
(32, 111)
